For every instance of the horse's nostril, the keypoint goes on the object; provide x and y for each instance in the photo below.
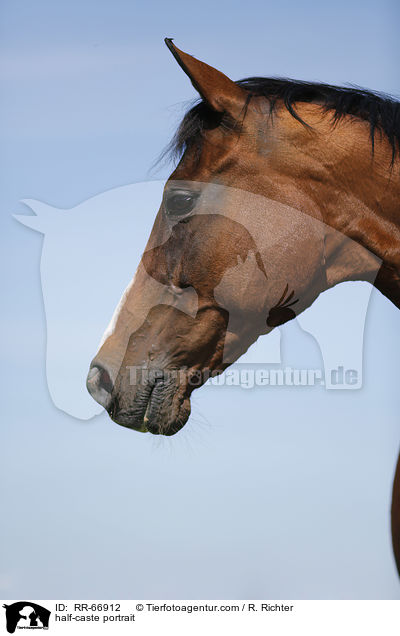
(99, 385)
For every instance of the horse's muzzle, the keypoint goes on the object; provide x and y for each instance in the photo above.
(156, 402)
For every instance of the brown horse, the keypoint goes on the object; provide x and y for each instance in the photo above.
(283, 190)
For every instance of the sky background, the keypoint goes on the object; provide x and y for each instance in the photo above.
(278, 495)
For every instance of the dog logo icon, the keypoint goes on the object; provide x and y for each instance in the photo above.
(26, 615)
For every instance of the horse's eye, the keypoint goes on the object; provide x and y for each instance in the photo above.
(179, 203)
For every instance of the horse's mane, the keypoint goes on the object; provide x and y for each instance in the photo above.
(380, 110)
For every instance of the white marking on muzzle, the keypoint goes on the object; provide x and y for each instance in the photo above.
(110, 329)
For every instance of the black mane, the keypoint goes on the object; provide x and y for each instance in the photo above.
(380, 110)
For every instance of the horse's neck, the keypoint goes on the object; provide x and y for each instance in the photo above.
(361, 203)
(366, 246)
(347, 260)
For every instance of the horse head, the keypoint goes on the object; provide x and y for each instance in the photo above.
(227, 260)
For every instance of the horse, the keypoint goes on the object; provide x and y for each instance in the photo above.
(283, 189)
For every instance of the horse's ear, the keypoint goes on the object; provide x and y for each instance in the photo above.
(220, 92)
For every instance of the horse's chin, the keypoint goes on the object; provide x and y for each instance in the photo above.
(160, 416)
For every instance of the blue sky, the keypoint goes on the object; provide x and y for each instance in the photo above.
(260, 496)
